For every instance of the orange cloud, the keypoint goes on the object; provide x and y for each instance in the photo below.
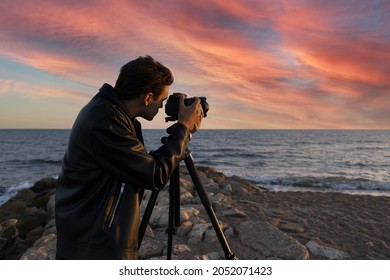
(36, 91)
(270, 64)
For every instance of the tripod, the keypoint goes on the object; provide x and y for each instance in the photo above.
(174, 208)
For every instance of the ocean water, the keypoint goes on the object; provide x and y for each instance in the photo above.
(349, 161)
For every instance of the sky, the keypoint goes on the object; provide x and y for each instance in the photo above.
(261, 64)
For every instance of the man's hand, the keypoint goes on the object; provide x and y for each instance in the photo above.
(191, 116)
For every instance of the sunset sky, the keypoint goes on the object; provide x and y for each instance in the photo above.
(262, 64)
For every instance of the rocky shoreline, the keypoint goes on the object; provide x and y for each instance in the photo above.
(258, 224)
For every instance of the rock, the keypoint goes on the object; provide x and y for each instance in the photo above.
(226, 187)
(268, 242)
(44, 189)
(32, 218)
(186, 186)
(50, 206)
(197, 233)
(181, 248)
(163, 198)
(211, 173)
(239, 186)
(34, 234)
(43, 249)
(159, 217)
(229, 232)
(150, 248)
(8, 234)
(50, 227)
(44, 184)
(149, 231)
(8, 229)
(184, 229)
(187, 213)
(291, 227)
(15, 207)
(212, 256)
(221, 199)
(326, 252)
(227, 210)
(210, 236)
(185, 197)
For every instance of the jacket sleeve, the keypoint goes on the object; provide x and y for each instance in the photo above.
(118, 151)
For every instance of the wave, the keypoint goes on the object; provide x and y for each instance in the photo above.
(323, 183)
(36, 161)
(46, 161)
(7, 192)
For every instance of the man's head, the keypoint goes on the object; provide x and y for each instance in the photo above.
(141, 76)
(145, 82)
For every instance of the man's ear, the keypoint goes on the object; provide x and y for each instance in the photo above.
(148, 97)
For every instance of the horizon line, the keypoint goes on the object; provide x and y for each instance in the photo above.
(264, 129)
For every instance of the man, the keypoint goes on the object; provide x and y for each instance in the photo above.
(106, 165)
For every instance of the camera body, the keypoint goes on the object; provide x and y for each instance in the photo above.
(172, 106)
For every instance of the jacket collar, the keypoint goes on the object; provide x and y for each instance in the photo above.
(109, 93)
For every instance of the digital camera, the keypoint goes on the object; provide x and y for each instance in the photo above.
(172, 106)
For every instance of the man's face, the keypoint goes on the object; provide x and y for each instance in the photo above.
(152, 109)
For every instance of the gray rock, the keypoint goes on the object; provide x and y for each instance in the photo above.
(212, 256)
(227, 210)
(8, 234)
(43, 249)
(149, 231)
(229, 232)
(44, 184)
(197, 233)
(32, 218)
(186, 196)
(50, 208)
(8, 229)
(159, 217)
(50, 227)
(226, 187)
(15, 207)
(326, 252)
(269, 242)
(184, 229)
(150, 248)
(221, 199)
(181, 248)
(210, 236)
(187, 213)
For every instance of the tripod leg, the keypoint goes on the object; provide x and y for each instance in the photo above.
(146, 217)
(174, 209)
(229, 255)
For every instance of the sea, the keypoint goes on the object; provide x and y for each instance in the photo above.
(348, 161)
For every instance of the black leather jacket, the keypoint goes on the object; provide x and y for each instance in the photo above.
(104, 169)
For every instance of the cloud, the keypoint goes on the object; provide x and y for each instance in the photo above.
(36, 91)
(281, 64)
(343, 47)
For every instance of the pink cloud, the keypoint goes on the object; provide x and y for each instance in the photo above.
(282, 64)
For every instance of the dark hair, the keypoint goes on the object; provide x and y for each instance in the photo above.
(142, 75)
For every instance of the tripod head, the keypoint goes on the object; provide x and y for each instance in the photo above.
(169, 130)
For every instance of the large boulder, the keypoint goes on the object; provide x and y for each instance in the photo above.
(268, 242)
